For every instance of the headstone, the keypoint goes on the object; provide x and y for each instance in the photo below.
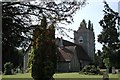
(107, 70)
(119, 74)
(118, 71)
(105, 75)
(113, 70)
(18, 70)
(0, 75)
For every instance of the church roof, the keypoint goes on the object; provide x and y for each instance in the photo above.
(65, 42)
(64, 54)
(67, 52)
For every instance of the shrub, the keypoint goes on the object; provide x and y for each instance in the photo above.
(90, 69)
(8, 68)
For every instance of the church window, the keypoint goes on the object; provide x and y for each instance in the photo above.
(80, 39)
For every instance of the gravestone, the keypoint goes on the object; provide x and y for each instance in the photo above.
(105, 75)
(118, 71)
(113, 70)
(119, 74)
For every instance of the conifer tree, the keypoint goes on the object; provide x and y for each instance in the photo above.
(109, 37)
(44, 60)
(89, 24)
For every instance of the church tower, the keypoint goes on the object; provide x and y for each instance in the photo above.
(85, 38)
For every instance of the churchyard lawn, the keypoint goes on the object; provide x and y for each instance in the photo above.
(65, 76)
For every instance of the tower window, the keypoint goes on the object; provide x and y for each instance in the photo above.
(80, 40)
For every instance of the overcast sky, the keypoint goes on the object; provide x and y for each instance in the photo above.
(92, 11)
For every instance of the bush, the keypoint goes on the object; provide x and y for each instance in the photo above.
(8, 68)
(90, 69)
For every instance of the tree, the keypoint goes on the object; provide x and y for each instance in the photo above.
(99, 59)
(109, 35)
(90, 25)
(21, 16)
(44, 60)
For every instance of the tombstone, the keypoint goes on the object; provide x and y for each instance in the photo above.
(12, 71)
(119, 74)
(0, 75)
(105, 75)
(107, 70)
(18, 70)
(118, 71)
(113, 70)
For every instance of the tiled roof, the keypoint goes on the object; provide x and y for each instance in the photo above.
(67, 52)
(65, 42)
(64, 54)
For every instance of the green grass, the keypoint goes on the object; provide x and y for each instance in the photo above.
(71, 76)
(26, 75)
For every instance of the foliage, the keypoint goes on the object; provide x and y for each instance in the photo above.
(10, 54)
(99, 59)
(107, 62)
(90, 25)
(115, 58)
(20, 57)
(90, 69)
(44, 59)
(8, 68)
(109, 36)
(29, 65)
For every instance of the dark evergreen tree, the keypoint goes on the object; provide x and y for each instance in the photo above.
(44, 60)
(109, 36)
(89, 24)
(92, 29)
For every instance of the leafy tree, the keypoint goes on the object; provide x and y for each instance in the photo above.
(18, 19)
(109, 35)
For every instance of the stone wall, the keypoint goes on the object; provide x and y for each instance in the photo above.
(63, 66)
(88, 41)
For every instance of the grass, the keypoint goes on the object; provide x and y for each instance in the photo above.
(66, 76)
(26, 75)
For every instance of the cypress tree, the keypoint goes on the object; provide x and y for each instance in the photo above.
(44, 61)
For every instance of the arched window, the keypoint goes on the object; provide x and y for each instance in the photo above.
(80, 40)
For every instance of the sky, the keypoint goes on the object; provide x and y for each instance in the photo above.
(92, 11)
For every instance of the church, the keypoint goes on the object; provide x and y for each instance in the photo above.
(73, 56)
